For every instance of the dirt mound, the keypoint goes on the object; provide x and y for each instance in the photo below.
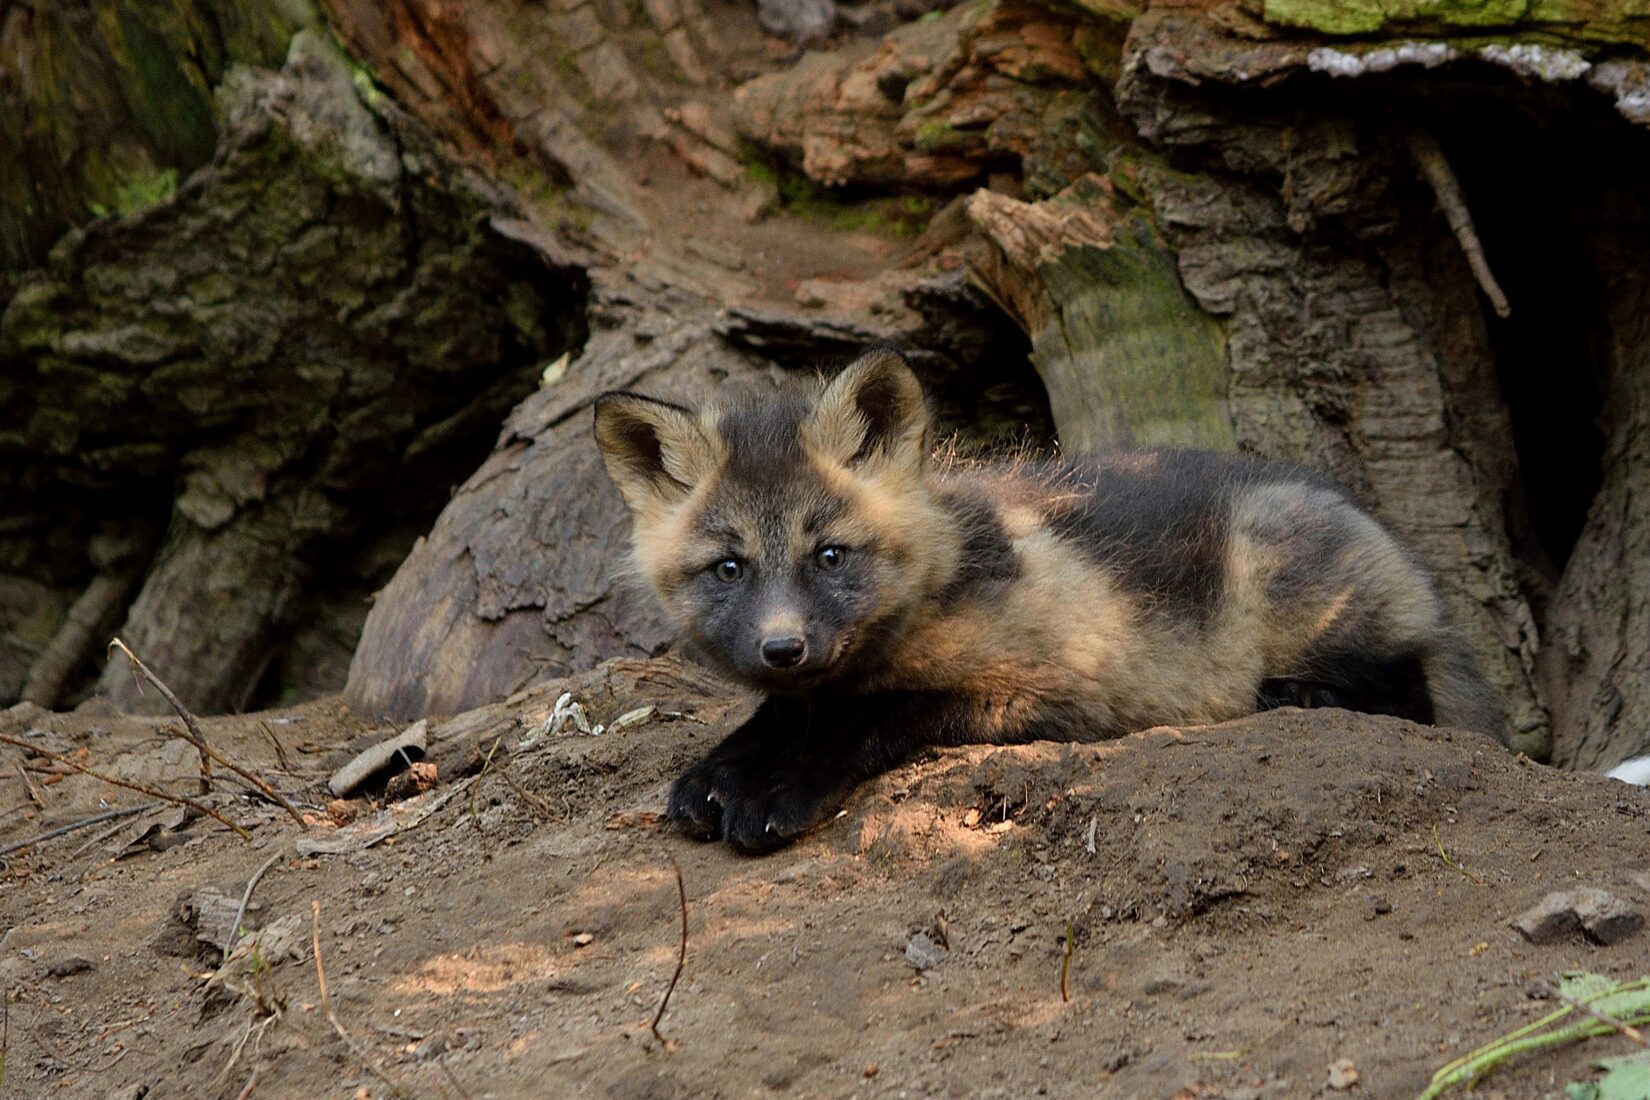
(1244, 905)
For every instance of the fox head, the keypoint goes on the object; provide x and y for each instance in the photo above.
(789, 536)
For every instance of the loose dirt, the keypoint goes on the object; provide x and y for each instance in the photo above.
(1237, 909)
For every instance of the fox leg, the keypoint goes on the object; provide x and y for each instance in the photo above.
(796, 761)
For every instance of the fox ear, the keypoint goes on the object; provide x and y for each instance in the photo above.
(655, 452)
(873, 408)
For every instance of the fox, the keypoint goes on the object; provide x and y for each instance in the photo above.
(881, 600)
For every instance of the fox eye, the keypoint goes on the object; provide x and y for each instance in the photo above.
(729, 570)
(831, 558)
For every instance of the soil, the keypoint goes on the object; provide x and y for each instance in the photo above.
(1244, 905)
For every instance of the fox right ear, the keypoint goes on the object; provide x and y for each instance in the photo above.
(655, 452)
(874, 407)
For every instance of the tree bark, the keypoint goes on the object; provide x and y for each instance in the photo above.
(1596, 664)
(266, 366)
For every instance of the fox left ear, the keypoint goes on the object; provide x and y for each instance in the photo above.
(874, 407)
(655, 452)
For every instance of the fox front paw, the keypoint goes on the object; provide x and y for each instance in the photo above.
(752, 808)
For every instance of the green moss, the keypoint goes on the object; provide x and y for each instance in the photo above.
(655, 59)
(934, 136)
(1567, 20)
(889, 215)
(1153, 365)
(140, 194)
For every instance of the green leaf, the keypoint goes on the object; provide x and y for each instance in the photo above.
(1578, 985)
(1625, 1078)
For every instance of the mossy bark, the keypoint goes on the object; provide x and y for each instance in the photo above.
(264, 366)
(109, 105)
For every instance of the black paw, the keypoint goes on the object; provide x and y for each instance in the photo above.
(750, 805)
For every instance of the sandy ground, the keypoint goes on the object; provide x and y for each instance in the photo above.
(1245, 905)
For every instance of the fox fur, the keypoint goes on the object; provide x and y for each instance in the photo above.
(808, 544)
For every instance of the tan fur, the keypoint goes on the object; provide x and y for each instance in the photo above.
(836, 430)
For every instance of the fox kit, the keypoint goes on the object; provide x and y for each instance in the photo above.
(808, 545)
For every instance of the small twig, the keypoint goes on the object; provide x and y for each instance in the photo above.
(246, 899)
(30, 786)
(1435, 168)
(1448, 862)
(251, 1083)
(681, 957)
(99, 837)
(332, 1016)
(189, 722)
(441, 1064)
(175, 799)
(207, 754)
(52, 834)
(280, 750)
(538, 804)
(1065, 964)
(1622, 1026)
(485, 764)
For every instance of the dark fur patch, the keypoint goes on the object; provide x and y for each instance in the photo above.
(1160, 521)
(988, 561)
(1354, 680)
(763, 437)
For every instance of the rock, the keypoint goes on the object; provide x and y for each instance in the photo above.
(797, 20)
(1600, 915)
(69, 964)
(923, 953)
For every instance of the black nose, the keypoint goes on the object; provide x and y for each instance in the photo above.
(783, 652)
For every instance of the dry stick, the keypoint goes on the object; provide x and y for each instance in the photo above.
(102, 835)
(280, 751)
(200, 741)
(30, 786)
(332, 1016)
(485, 764)
(1622, 1026)
(441, 1064)
(681, 958)
(1429, 158)
(1065, 965)
(246, 898)
(52, 834)
(538, 804)
(251, 1083)
(175, 799)
(189, 723)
